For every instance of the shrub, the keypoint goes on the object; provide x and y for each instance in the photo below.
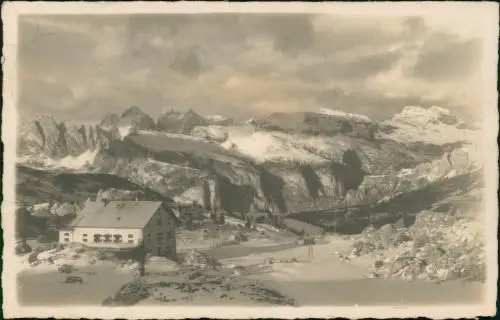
(378, 264)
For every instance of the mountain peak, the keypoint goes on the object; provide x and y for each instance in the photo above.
(135, 118)
(133, 111)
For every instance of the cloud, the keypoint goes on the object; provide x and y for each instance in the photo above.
(444, 56)
(244, 64)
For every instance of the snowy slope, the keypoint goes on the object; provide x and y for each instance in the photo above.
(433, 125)
(352, 116)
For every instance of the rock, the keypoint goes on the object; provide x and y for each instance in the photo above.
(75, 138)
(136, 119)
(40, 210)
(460, 161)
(210, 133)
(129, 294)
(386, 234)
(65, 268)
(179, 122)
(198, 259)
(110, 122)
(63, 209)
(316, 124)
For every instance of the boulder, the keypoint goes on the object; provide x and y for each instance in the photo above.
(199, 259)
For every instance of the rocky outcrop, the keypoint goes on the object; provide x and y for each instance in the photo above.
(180, 122)
(137, 119)
(316, 124)
(46, 137)
(110, 121)
(212, 133)
(75, 139)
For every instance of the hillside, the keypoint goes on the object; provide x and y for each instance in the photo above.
(35, 186)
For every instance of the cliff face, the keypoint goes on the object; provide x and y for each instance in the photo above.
(284, 162)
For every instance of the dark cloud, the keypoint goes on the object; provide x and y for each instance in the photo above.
(290, 33)
(361, 68)
(48, 49)
(187, 62)
(112, 62)
(446, 57)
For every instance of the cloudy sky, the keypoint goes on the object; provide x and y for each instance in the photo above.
(82, 67)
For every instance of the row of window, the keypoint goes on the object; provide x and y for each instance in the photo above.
(109, 238)
(116, 238)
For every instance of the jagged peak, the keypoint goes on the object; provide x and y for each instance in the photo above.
(133, 111)
(110, 118)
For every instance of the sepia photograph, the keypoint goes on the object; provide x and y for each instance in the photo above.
(237, 160)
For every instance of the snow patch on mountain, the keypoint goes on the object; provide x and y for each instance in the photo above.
(73, 163)
(338, 113)
(125, 131)
(268, 146)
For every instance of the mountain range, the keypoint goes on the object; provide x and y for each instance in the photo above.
(286, 162)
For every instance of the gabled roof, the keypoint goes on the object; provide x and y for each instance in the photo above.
(116, 214)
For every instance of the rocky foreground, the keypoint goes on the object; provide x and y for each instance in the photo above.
(439, 245)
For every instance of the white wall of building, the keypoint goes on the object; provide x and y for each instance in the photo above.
(65, 236)
(129, 237)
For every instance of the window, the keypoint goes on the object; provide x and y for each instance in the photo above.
(130, 236)
(117, 238)
(84, 237)
(66, 239)
(130, 241)
(107, 238)
(97, 238)
(66, 234)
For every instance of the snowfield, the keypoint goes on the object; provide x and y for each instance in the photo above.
(417, 124)
(352, 116)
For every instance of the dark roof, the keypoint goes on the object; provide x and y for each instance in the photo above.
(116, 214)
